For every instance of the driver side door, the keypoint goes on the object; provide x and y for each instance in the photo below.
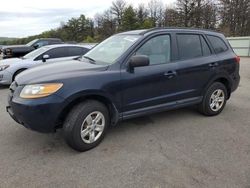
(149, 87)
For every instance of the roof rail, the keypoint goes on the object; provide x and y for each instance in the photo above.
(184, 28)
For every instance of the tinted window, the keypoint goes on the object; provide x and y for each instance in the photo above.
(42, 43)
(189, 46)
(57, 52)
(217, 43)
(157, 49)
(205, 48)
(55, 42)
(76, 51)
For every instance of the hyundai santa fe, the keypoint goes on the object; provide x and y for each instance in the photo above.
(128, 75)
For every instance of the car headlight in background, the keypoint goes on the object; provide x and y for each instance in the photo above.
(39, 90)
(8, 51)
(3, 67)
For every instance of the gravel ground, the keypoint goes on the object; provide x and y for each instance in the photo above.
(176, 149)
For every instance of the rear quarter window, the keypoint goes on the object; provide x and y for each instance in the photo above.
(217, 43)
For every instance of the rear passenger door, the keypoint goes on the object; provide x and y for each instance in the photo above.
(195, 65)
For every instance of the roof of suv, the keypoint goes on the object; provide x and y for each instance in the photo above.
(174, 29)
(57, 39)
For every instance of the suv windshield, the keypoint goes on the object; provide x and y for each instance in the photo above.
(35, 53)
(31, 43)
(111, 49)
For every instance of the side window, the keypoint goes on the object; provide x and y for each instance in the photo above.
(57, 52)
(157, 49)
(205, 48)
(76, 51)
(189, 46)
(217, 43)
(54, 42)
(42, 43)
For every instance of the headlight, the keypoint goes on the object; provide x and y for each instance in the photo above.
(3, 67)
(39, 90)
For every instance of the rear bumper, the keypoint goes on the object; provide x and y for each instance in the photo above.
(235, 83)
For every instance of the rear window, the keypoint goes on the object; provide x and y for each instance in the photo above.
(217, 43)
(189, 46)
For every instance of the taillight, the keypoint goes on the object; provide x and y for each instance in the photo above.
(237, 58)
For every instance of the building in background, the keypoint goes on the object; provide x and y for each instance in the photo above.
(241, 45)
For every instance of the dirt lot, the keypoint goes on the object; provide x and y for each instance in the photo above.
(179, 148)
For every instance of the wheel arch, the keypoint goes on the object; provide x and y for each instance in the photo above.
(18, 71)
(114, 114)
(222, 79)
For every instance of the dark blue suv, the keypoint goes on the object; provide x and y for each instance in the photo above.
(128, 75)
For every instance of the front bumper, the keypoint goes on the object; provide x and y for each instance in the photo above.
(36, 114)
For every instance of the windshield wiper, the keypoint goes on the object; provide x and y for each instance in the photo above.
(89, 58)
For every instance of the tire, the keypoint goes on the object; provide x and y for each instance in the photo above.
(16, 73)
(213, 101)
(78, 121)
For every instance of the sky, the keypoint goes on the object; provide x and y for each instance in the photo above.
(22, 18)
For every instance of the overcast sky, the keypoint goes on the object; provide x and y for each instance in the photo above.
(21, 18)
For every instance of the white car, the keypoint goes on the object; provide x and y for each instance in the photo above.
(10, 68)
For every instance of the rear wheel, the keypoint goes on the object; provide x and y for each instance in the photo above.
(86, 125)
(214, 99)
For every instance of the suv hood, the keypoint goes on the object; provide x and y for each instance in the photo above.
(57, 71)
(15, 46)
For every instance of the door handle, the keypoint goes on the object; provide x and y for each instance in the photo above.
(213, 64)
(170, 74)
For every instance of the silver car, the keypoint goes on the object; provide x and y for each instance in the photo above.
(10, 68)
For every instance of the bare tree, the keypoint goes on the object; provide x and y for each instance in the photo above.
(235, 17)
(105, 25)
(185, 9)
(118, 8)
(171, 17)
(156, 12)
(142, 14)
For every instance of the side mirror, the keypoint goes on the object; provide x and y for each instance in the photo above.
(138, 61)
(36, 46)
(45, 57)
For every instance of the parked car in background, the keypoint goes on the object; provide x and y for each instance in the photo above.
(10, 68)
(128, 75)
(21, 50)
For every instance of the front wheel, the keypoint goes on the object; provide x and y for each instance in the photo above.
(214, 100)
(86, 125)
